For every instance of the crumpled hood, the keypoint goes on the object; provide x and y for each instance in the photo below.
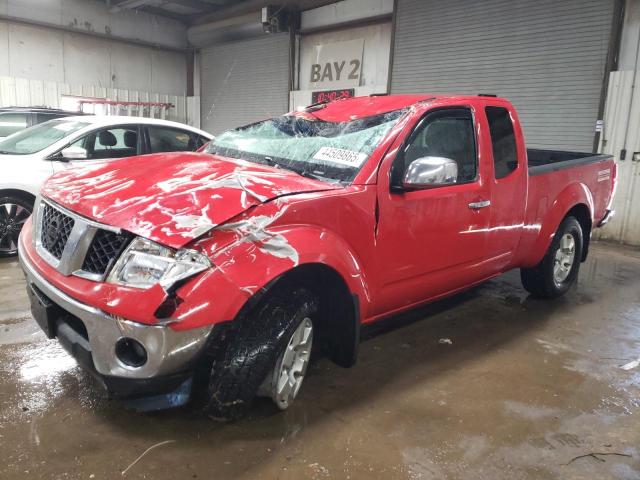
(172, 198)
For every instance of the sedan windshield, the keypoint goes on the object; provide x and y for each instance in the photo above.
(39, 137)
(328, 151)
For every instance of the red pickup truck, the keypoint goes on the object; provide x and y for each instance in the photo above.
(221, 272)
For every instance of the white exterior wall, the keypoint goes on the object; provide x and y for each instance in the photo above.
(95, 17)
(41, 53)
(375, 58)
(377, 43)
(27, 92)
(622, 131)
(38, 41)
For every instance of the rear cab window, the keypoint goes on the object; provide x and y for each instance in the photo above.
(505, 156)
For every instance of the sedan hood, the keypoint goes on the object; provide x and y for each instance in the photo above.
(172, 198)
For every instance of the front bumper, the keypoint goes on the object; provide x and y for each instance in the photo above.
(170, 354)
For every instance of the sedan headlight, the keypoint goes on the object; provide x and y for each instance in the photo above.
(145, 263)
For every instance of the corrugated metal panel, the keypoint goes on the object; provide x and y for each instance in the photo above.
(547, 57)
(22, 92)
(244, 81)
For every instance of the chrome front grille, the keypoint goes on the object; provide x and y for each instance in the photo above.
(75, 245)
(105, 249)
(55, 230)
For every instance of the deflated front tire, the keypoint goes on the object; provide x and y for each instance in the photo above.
(257, 354)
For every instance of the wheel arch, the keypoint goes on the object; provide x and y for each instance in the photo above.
(303, 255)
(575, 200)
(582, 214)
(339, 326)
(13, 192)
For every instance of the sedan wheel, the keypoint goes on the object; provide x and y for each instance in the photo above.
(13, 214)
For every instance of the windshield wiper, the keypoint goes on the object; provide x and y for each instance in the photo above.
(273, 162)
(303, 173)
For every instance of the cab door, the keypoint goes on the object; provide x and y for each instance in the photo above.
(508, 183)
(432, 241)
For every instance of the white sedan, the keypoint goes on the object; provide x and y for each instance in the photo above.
(30, 156)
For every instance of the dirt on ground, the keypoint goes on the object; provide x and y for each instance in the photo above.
(490, 384)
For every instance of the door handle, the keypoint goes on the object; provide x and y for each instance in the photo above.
(479, 205)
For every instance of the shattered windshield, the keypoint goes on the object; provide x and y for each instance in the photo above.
(328, 151)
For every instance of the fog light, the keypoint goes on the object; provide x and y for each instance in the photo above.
(131, 352)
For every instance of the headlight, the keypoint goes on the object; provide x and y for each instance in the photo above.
(145, 263)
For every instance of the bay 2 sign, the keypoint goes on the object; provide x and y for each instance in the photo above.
(337, 65)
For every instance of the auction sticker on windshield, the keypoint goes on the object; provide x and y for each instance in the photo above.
(340, 156)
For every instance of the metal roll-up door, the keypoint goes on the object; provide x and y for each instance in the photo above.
(548, 57)
(244, 81)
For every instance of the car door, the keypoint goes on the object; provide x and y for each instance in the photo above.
(102, 144)
(433, 240)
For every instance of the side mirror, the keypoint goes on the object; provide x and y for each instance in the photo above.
(427, 172)
(74, 153)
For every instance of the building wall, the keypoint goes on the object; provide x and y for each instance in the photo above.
(622, 132)
(348, 20)
(80, 42)
(95, 17)
(375, 58)
(24, 92)
(629, 38)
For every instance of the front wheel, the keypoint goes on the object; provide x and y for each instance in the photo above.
(14, 211)
(558, 270)
(267, 354)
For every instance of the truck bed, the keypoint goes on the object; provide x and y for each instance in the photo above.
(545, 161)
(556, 178)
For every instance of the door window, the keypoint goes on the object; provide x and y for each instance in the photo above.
(449, 134)
(117, 142)
(162, 139)
(505, 158)
(11, 123)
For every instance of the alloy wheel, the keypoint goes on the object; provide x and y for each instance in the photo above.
(564, 258)
(292, 365)
(12, 218)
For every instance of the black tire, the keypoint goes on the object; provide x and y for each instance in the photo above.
(14, 211)
(252, 350)
(540, 280)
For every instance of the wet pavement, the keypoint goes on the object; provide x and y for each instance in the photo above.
(488, 385)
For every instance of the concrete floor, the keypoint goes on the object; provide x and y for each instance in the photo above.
(525, 389)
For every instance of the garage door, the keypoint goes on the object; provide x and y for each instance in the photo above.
(548, 57)
(244, 81)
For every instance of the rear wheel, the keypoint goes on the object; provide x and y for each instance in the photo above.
(559, 268)
(267, 354)
(14, 211)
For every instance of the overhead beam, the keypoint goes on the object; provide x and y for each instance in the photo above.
(247, 6)
(164, 13)
(204, 7)
(117, 4)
